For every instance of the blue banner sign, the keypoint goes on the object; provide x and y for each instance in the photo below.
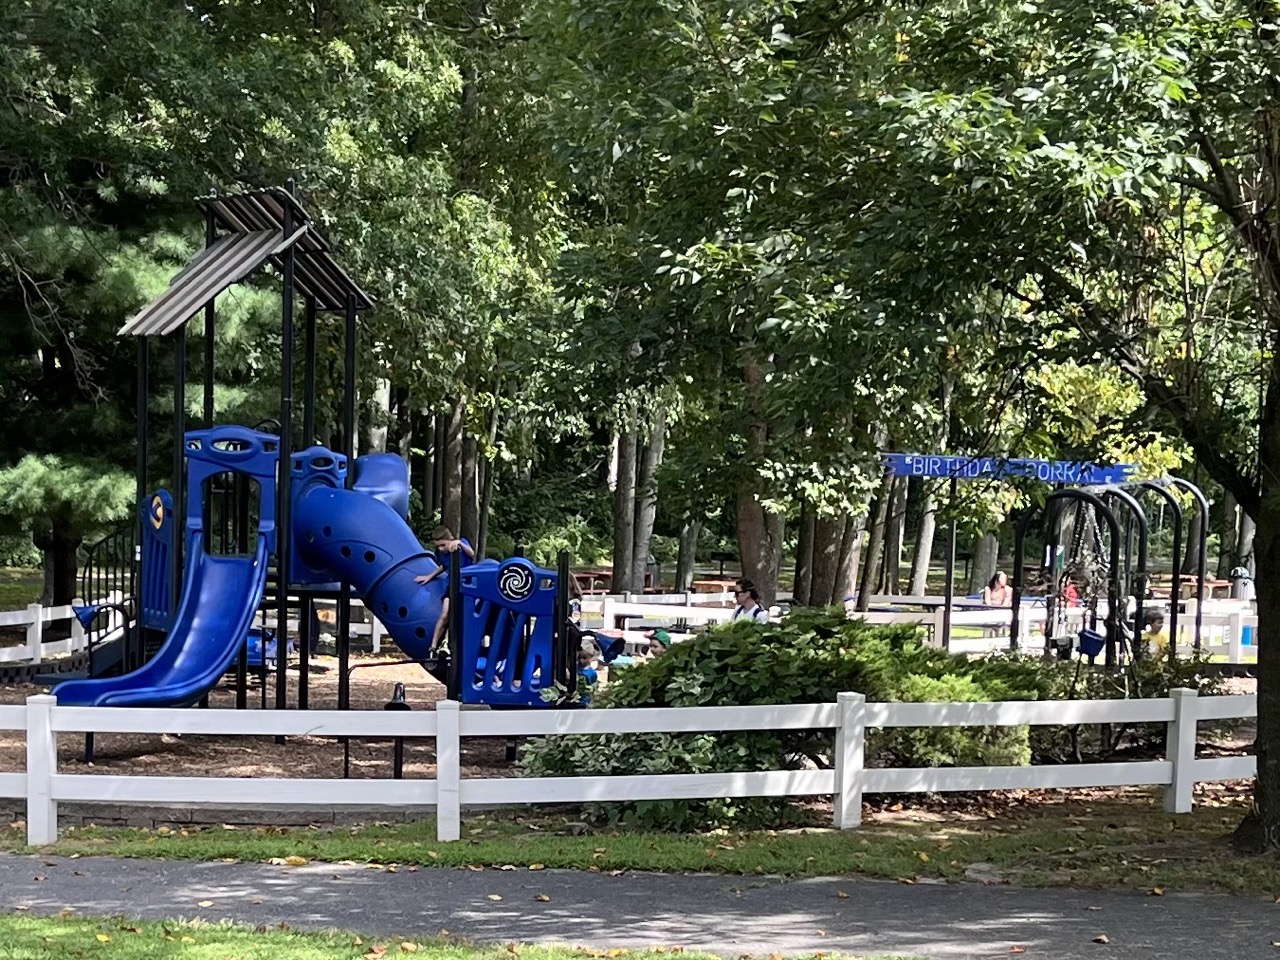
(995, 468)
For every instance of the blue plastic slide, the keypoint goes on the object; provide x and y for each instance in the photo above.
(220, 596)
(351, 536)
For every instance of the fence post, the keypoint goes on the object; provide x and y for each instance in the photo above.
(448, 771)
(850, 753)
(940, 639)
(375, 632)
(606, 612)
(1235, 636)
(1180, 750)
(42, 763)
(77, 628)
(35, 632)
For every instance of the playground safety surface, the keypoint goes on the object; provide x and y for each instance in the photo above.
(156, 755)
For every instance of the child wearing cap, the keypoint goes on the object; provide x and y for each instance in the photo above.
(659, 641)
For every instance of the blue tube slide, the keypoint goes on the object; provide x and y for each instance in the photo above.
(364, 541)
(220, 596)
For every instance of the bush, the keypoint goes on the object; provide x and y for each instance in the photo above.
(810, 658)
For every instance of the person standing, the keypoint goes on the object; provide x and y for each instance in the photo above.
(747, 598)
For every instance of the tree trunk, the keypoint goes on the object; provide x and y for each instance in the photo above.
(690, 530)
(804, 556)
(1191, 562)
(759, 543)
(1244, 543)
(470, 514)
(379, 416)
(624, 507)
(489, 467)
(1228, 533)
(850, 554)
(1260, 830)
(647, 500)
(875, 543)
(828, 538)
(893, 537)
(986, 557)
(451, 495)
(60, 561)
(400, 424)
(922, 556)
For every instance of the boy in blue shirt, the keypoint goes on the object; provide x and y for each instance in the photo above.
(446, 543)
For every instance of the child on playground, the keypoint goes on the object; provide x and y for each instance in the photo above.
(659, 641)
(588, 653)
(1153, 632)
(445, 543)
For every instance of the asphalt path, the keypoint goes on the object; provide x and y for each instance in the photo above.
(729, 916)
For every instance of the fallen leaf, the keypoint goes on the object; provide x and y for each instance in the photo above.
(205, 903)
(393, 869)
(409, 947)
(1017, 949)
(841, 895)
(507, 866)
(1102, 938)
(542, 898)
(188, 940)
(357, 942)
(924, 857)
(103, 938)
(1157, 892)
(537, 866)
(433, 855)
(494, 897)
(295, 861)
(256, 900)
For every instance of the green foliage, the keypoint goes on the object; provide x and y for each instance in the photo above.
(85, 496)
(808, 658)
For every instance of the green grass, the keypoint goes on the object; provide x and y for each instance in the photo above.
(1129, 844)
(66, 938)
(19, 587)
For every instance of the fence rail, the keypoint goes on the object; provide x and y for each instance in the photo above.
(44, 786)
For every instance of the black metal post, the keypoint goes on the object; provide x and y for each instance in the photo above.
(306, 613)
(437, 466)
(566, 669)
(1139, 517)
(1203, 553)
(179, 457)
(309, 376)
(210, 314)
(285, 473)
(133, 643)
(948, 591)
(456, 665)
(349, 450)
(1176, 571)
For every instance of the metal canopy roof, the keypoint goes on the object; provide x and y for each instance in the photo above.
(255, 222)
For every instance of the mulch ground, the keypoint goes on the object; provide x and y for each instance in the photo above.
(192, 755)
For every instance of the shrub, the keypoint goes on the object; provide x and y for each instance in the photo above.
(808, 658)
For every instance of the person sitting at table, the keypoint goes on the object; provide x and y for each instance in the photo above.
(748, 600)
(997, 592)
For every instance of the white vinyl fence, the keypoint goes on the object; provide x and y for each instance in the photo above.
(44, 786)
(34, 618)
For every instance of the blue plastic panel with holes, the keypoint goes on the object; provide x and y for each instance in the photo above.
(508, 632)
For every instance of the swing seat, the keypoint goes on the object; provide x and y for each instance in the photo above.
(1091, 642)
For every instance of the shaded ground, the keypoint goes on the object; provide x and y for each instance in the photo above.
(723, 915)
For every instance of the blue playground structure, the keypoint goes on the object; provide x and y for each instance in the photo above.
(269, 526)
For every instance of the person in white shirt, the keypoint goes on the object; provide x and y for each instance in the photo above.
(748, 600)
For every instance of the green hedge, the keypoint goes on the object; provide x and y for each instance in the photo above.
(809, 658)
